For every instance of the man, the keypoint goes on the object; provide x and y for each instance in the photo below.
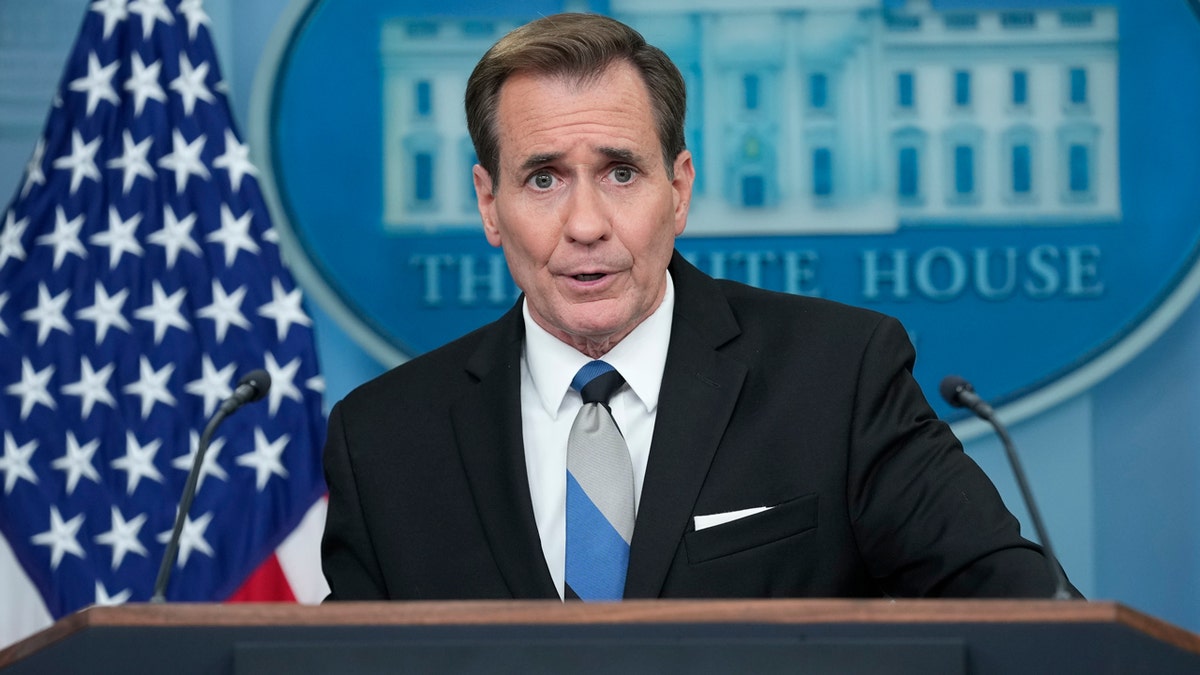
(777, 445)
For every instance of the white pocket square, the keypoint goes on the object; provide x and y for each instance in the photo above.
(714, 519)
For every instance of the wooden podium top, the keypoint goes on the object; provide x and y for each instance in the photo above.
(539, 612)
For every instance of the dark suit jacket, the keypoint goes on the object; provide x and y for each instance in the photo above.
(767, 400)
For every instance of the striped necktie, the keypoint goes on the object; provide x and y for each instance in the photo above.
(599, 491)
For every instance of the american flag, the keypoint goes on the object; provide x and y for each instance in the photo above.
(140, 277)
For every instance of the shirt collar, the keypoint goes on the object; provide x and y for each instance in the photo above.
(640, 357)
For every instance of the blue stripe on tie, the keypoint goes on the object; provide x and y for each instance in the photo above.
(597, 556)
(590, 371)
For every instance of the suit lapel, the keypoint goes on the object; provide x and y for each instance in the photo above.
(487, 423)
(700, 388)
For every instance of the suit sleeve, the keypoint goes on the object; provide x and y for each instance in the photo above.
(347, 554)
(928, 521)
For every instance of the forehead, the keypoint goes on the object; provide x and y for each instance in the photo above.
(555, 114)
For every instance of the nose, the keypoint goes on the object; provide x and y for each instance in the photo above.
(586, 219)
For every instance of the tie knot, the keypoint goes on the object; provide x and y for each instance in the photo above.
(596, 382)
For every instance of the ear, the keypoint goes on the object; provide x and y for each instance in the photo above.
(685, 177)
(486, 200)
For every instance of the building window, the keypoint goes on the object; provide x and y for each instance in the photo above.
(1076, 18)
(418, 174)
(961, 21)
(1077, 166)
(1020, 88)
(424, 98)
(964, 170)
(909, 147)
(422, 29)
(822, 169)
(1077, 86)
(1078, 170)
(750, 92)
(903, 23)
(818, 91)
(470, 159)
(908, 174)
(905, 94)
(423, 177)
(962, 88)
(754, 191)
(1019, 147)
(964, 178)
(478, 29)
(1018, 20)
(1022, 169)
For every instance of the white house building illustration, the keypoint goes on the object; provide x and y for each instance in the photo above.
(816, 116)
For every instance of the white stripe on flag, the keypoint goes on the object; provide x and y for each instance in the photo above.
(22, 612)
(300, 557)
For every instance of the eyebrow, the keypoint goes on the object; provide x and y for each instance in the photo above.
(534, 161)
(616, 154)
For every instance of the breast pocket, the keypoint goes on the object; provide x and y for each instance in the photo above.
(787, 519)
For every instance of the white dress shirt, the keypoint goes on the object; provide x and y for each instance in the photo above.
(549, 406)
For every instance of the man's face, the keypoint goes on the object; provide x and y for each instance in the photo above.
(582, 204)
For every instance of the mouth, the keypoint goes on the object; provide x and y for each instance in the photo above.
(591, 276)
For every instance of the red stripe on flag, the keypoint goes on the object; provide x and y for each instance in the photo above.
(268, 583)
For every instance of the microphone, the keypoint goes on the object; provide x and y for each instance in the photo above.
(252, 387)
(959, 393)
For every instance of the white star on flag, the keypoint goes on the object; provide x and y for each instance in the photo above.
(235, 160)
(64, 238)
(152, 386)
(164, 311)
(282, 382)
(61, 537)
(176, 236)
(120, 237)
(151, 11)
(225, 310)
(103, 599)
(81, 162)
(138, 462)
(123, 537)
(77, 462)
(92, 387)
(113, 12)
(97, 84)
(184, 159)
(143, 83)
(133, 163)
(33, 169)
(48, 313)
(190, 84)
(213, 385)
(193, 12)
(192, 538)
(32, 388)
(265, 460)
(211, 466)
(15, 462)
(234, 235)
(284, 309)
(10, 238)
(105, 311)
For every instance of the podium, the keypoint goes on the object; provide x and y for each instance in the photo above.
(641, 636)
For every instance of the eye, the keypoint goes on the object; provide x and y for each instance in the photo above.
(542, 180)
(623, 174)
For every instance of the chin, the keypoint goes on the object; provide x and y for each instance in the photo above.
(596, 330)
